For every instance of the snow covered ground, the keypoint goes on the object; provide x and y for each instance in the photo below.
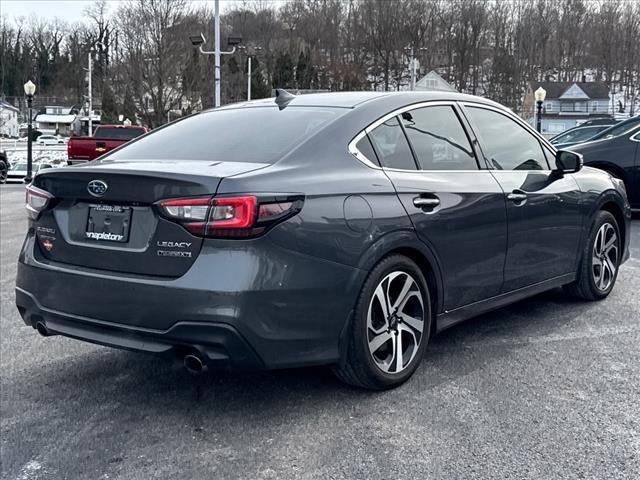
(17, 152)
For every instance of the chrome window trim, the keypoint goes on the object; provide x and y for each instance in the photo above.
(353, 150)
(636, 136)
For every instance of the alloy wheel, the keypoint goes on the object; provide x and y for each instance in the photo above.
(605, 257)
(395, 322)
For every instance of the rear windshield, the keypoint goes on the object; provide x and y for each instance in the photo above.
(253, 134)
(118, 133)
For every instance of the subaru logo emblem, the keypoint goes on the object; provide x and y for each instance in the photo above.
(97, 188)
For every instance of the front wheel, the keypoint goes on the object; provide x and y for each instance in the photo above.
(600, 260)
(391, 326)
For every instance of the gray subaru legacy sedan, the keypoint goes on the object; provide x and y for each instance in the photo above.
(340, 229)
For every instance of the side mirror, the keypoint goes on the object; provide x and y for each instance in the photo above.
(568, 162)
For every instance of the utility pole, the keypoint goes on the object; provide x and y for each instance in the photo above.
(412, 64)
(250, 51)
(249, 78)
(91, 50)
(216, 34)
(413, 70)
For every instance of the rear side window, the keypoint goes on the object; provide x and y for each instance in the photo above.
(254, 134)
(118, 133)
(438, 139)
(365, 147)
(506, 144)
(391, 145)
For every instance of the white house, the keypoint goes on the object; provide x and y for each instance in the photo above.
(9, 126)
(433, 81)
(568, 104)
(56, 120)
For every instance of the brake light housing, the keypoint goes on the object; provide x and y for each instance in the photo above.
(242, 216)
(36, 201)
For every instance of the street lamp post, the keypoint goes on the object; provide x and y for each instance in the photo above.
(250, 51)
(92, 50)
(540, 94)
(29, 91)
(199, 40)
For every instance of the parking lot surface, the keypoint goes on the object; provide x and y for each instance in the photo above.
(546, 388)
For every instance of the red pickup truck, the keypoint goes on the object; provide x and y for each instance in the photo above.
(105, 139)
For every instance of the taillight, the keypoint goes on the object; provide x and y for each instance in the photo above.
(36, 201)
(243, 216)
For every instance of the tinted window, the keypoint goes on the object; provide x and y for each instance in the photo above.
(258, 134)
(118, 133)
(506, 144)
(392, 146)
(365, 147)
(577, 135)
(438, 139)
(618, 130)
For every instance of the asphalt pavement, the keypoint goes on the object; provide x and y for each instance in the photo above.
(547, 388)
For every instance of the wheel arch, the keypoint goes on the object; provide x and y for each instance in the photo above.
(407, 243)
(611, 168)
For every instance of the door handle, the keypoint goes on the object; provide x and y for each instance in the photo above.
(422, 202)
(517, 197)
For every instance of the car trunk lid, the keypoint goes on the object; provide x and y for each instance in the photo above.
(104, 217)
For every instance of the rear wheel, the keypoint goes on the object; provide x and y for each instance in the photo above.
(390, 328)
(600, 260)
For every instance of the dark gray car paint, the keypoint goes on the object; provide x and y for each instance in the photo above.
(291, 292)
(620, 156)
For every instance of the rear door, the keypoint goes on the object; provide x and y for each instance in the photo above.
(456, 206)
(543, 207)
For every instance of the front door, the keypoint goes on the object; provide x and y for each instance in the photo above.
(543, 206)
(457, 209)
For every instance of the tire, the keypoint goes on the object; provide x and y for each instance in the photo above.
(371, 359)
(595, 278)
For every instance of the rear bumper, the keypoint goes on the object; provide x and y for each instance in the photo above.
(220, 346)
(247, 304)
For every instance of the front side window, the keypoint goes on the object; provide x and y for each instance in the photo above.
(506, 144)
(391, 145)
(438, 139)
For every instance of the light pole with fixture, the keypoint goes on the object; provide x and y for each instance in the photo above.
(540, 94)
(29, 91)
(92, 50)
(250, 51)
(199, 40)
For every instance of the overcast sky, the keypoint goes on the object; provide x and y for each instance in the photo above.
(70, 10)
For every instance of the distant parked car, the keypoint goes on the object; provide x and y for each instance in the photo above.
(617, 151)
(599, 121)
(18, 171)
(50, 140)
(617, 129)
(576, 135)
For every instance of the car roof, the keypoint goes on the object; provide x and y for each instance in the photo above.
(356, 99)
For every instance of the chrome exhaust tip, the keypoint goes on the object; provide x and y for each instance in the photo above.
(42, 329)
(193, 364)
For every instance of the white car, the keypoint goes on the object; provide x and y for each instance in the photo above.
(18, 171)
(50, 140)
